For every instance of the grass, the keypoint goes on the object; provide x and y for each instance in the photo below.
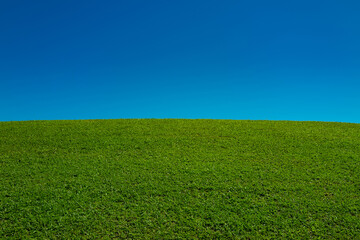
(179, 179)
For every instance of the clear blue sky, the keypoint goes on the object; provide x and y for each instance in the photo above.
(272, 60)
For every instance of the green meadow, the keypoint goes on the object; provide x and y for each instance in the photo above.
(179, 179)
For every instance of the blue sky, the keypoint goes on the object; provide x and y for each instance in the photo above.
(270, 60)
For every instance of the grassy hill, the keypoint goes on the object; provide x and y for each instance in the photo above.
(171, 179)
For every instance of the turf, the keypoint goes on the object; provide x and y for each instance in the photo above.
(179, 179)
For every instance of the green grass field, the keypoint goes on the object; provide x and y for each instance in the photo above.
(179, 179)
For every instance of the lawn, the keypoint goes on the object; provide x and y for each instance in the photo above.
(179, 179)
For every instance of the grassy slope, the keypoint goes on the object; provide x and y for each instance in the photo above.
(179, 179)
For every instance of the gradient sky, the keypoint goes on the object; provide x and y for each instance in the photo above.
(270, 60)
